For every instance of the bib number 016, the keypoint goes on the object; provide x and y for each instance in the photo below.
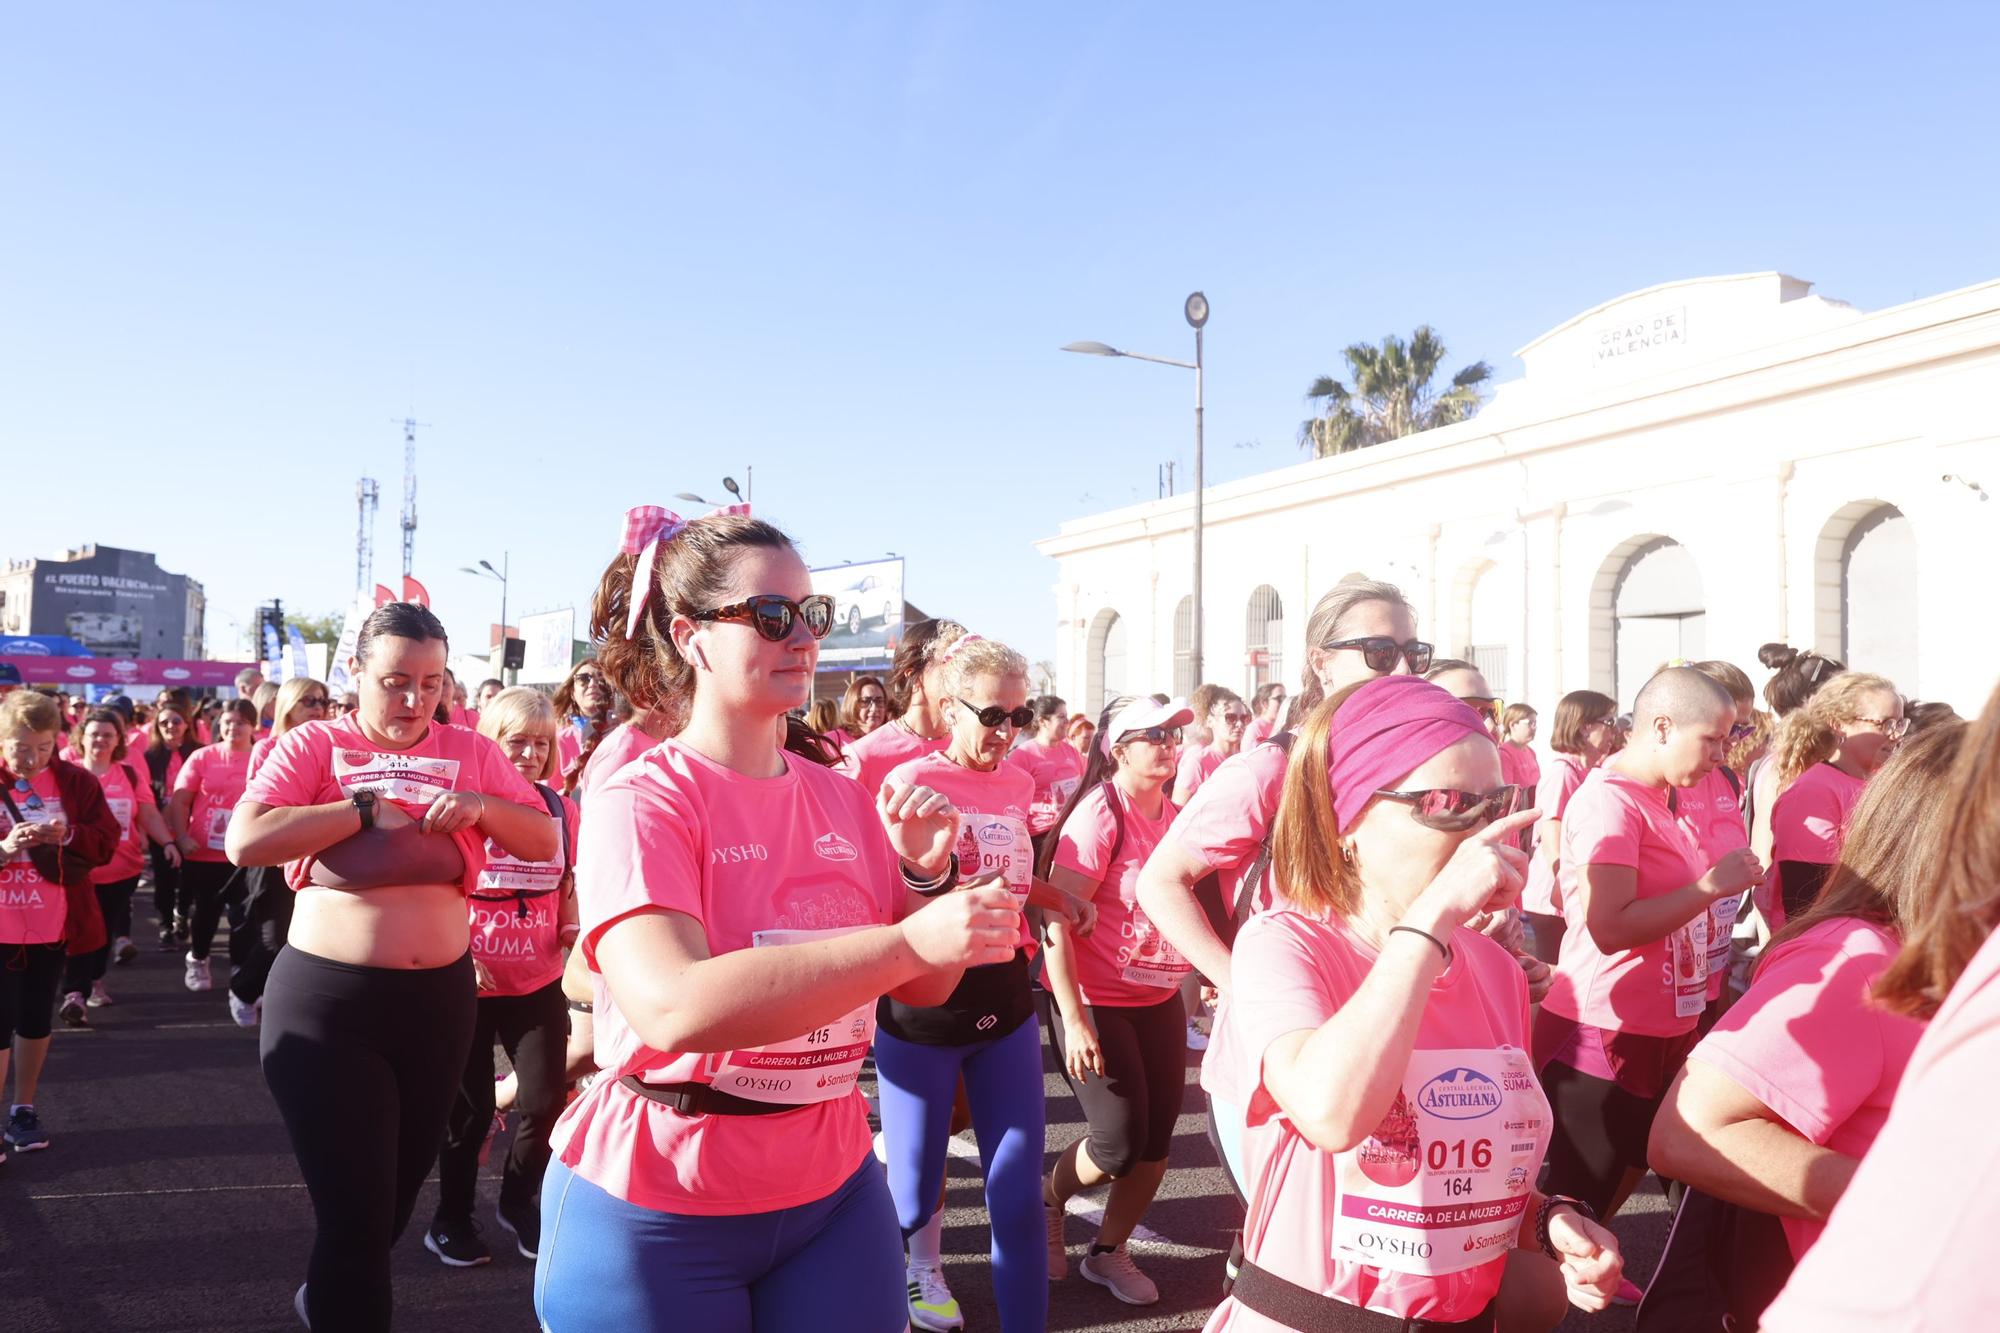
(1442, 1156)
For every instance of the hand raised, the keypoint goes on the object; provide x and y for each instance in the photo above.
(921, 823)
(1485, 873)
(973, 927)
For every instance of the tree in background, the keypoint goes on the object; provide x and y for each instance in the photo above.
(319, 629)
(1392, 395)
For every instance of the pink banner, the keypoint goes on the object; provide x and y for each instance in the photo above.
(1434, 1216)
(123, 671)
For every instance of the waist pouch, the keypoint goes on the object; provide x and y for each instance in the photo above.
(988, 1003)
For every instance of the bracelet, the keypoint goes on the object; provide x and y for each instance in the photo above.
(482, 806)
(1550, 1202)
(937, 884)
(1441, 947)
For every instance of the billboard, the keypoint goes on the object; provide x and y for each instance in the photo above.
(867, 614)
(116, 603)
(548, 643)
(124, 673)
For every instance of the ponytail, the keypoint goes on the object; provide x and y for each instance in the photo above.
(1306, 863)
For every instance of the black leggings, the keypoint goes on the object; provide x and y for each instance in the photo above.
(363, 1063)
(534, 1029)
(1133, 1108)
(28, 977)
(1600, 1134)
(267, 919)
(114, 900)
(168, 900)
(202, 883)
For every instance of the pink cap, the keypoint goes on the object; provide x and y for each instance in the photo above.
(1384, 732)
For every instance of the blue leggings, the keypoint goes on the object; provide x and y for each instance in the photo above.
(1003, 1082)
(831, 1264)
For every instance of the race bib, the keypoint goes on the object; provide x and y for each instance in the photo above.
(510, 874)
(407, 779)
(1688, 964)
(218, 827)
(1722, 916)
(1061, 790)
(820, 1066)
(1441, 1184)
(1146, 957)
(121, 810)
(991, 845)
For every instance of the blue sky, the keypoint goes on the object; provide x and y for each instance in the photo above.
(613, 251)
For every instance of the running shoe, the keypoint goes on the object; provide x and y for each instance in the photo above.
(456, 1241)
(522, 1221)
(24, 1131)
(1115, 1271)
(99, 997)
(931, 1304)
(1628, 1293)
(1197, 1040)
(71, 1011)
(246, 1015)
(123, 950)
(167, 941)
(197, 977)
(1052, 1217)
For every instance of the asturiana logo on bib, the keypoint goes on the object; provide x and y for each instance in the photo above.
(834, 847)
(1460, 1094)
(996, 835)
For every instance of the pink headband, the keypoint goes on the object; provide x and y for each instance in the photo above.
(1384, 732)
(646, 527)
(960, 642)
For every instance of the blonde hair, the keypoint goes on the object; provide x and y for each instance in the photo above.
(1324, 623)
(1306, 862)
(512, 712)
(289, 695)
(29, 710)
(969, 655)
(1808, 735)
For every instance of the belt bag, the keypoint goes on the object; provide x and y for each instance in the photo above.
(702, 1099)
(1296, 1307)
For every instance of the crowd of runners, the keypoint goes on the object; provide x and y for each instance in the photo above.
(1451, 1000)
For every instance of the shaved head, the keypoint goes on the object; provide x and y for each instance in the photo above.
(1684, 696)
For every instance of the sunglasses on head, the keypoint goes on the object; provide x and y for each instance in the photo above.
(993, 715)
(1380, 652)
(773, 616)
(1449, 810)
(1153, 735)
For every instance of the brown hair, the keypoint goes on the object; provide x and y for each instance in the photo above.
(850, 702)
(1807, 736)
(921, 644)
(823, 715)
(1800, 674)
(1730, 677)
(1515, 713)
(1324, 624)
(1887, 871)
(157, 739)
(1305, 836)
(1577, 710)
(1964, 909)
(111, 718)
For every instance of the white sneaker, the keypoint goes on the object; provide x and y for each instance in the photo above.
(197, 977)
(246, 1015)
(932, 1305)
(123, 950)
(1197, 1040)
(99, 997)
(1115, 1271)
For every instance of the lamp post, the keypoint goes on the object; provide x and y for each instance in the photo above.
(1196, 311)
(486, 571)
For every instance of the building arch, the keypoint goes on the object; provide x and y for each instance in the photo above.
(1104, 660)
(1263, 638)
(1184, 681)
(1646, 607)
(1864, 590)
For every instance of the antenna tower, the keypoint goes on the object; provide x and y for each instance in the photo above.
(367, 496)
(409, 425)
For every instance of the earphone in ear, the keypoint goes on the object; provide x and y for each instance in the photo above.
(700, 658)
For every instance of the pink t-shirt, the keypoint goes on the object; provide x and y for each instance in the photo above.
(1197, 764)
(1125, 962)
(869, 760)
(32, 910)
(802, 852)
(1541, 894)
(1809, 818)
(216, 775)
(1519, 766)
(1258, 731)
(569, 747)
(124, 797)
(1659, 989)
(993, 820)
(1223, 828)
(1806, 1041)
(1713, 816)
(1905, 1250)
(318, 763)
(1057, 771)
(625, 743)
(1467, 1132)
(516, 912)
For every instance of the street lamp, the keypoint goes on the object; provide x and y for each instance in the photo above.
(1196, 311)
(728, 484)
(486, 571)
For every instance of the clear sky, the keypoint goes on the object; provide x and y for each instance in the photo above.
(612, 252)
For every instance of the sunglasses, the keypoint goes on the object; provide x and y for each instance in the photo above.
(993, 715)
(1380, 652)
(1742, 731)
(1892, 727)
(773, 616)
(313, 701)
(1450, 810)
(1483, 704)
(1153, 736)
(1243, 718)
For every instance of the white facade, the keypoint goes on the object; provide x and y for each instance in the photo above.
(1690, 470)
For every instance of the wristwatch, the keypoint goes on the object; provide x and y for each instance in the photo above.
(364, 803)
(1551, 1202)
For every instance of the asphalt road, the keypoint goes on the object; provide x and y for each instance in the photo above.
(169, 1201)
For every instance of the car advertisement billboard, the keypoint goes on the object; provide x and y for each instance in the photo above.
(867, 614)
(114, 602)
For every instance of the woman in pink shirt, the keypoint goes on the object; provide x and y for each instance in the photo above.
(209, 785)
(1225, 717)
(916, 695)
(1267, 708)
(864, 707)
(1394, 1123)
(1518, 763)
(1906, 1248)
(1780, 1102)
(1712, 813)
(170, 744)
(584, 703)
(744, 909)
(381, 819)
(1825, 753)
(1052, 762)
(255, 940)
(1586, 729)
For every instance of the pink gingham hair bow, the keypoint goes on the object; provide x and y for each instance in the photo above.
(646, 527)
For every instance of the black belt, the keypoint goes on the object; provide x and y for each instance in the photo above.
(1295, 1307)
(702, 1098)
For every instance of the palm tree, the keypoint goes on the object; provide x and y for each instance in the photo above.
(1392, 395)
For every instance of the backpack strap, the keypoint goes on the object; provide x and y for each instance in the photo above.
(560, 813)
(1261, 866)
(1735, 783)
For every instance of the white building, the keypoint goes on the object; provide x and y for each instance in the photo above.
(1688, 471)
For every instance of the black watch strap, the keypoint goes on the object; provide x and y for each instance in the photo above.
(364, 803)
(1550, 1202)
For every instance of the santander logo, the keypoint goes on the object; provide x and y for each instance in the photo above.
(834, 847)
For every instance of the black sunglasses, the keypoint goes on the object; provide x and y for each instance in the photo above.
(1380, 652)
(773, 616)
(1153, 735)
(993, 715)
(1450, 810)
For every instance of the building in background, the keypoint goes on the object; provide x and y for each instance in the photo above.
(116, 603)
(1689, 471)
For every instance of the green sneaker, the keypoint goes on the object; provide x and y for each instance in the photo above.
(931, 1304)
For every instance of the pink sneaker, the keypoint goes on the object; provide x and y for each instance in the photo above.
(1628, 1293)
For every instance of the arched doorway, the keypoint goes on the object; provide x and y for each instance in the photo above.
(1263, 632)
(1104, 659)
(1865, 610)
(1486, 614)
(1184, 681)
(1646, 608)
